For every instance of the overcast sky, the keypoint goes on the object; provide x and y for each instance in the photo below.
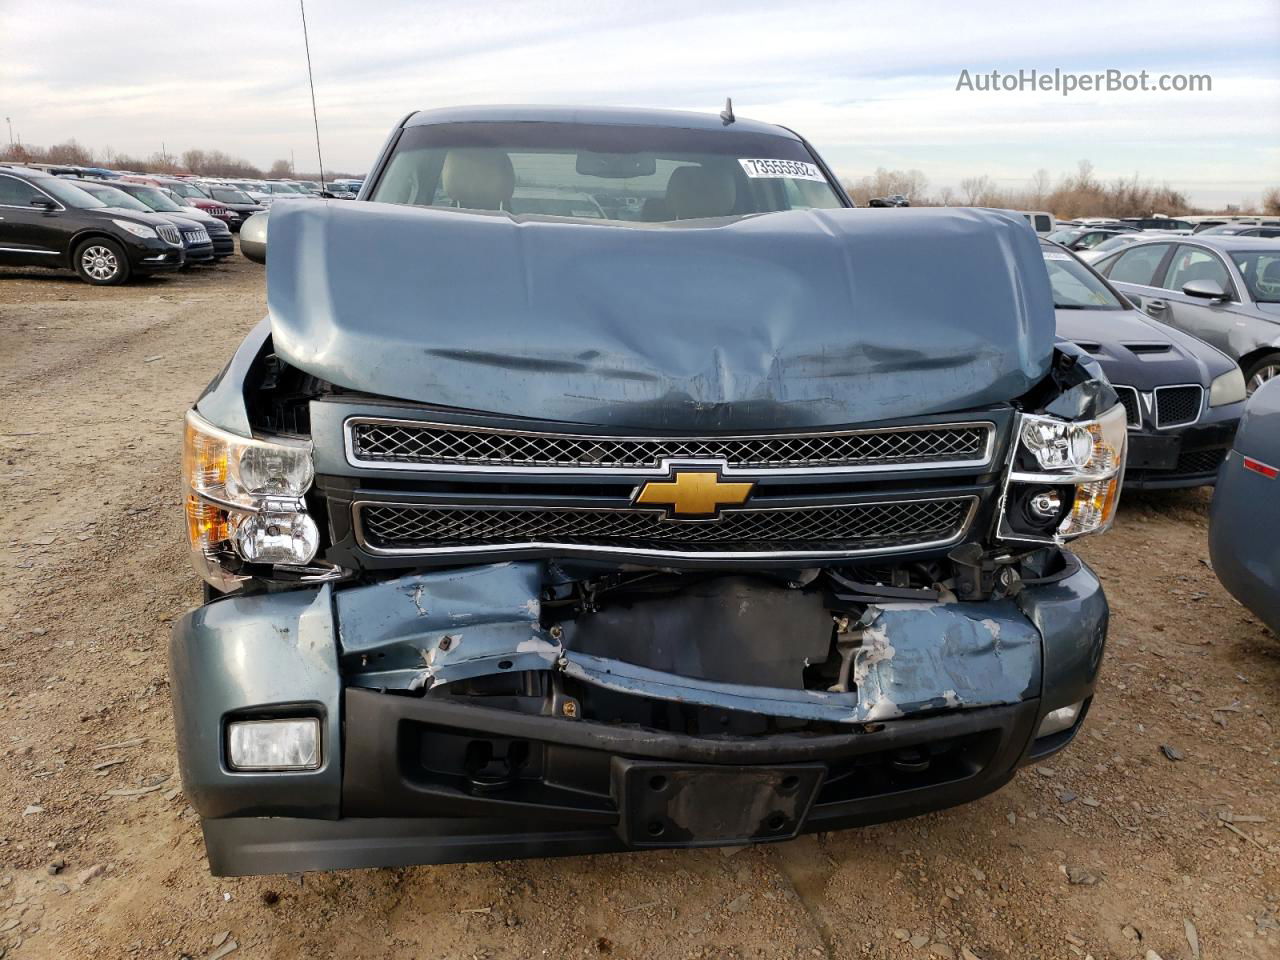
(871, 84)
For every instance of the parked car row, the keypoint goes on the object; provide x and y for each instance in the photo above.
(106, 231)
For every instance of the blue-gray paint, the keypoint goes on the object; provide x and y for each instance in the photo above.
(1244, 521)
(252, 656)
(425, 629)
(801, 318)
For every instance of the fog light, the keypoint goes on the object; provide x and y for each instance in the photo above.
(274, 744)
(289, 538)
(1055, 721)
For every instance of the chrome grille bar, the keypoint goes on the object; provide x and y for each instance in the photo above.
(816, 531)
(422, 445)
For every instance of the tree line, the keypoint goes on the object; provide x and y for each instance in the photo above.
(1078, 194)
(201, 163)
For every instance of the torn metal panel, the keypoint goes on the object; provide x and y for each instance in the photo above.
(432, 628)
(792, 319)
(917, 657)
(912, 658)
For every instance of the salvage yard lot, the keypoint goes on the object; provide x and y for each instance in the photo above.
(1161, 825)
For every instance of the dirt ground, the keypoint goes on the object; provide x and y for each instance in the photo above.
(1112, 849)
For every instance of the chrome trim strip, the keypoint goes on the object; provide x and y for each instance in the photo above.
(1137, 402)
(46, 253)
(1155, 406)
(664, 467)
(357, 510)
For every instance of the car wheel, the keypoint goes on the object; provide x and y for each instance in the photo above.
(101, 262)
(1264, 368)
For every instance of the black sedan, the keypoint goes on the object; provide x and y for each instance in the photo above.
(196, 242)
(1183, 397)
(47, 222)
(161, 201)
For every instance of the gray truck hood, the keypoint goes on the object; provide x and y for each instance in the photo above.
(796, 319)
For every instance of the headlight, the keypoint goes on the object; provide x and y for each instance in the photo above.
(244, 502)
(137, 229)
(1064, 478)
(1228, 388)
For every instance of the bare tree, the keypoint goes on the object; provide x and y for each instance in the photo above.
(194, 161)
(976, 189)
(69, 152)
(1039, 187)
(1271, 201)
(280, 170)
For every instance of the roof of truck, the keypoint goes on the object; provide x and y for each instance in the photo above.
(598, 115)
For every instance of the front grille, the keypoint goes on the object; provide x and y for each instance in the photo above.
(1200, 461)
(1132, 411)
(168, 233)
(196, 236)
(845, 528)
(1178, 406)
(424, 445)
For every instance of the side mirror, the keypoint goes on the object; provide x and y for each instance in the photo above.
(44, 203)
(1204, 289)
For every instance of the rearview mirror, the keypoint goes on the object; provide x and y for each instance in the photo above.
(1204, 289)
(616, 166)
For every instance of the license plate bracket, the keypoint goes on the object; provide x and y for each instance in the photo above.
(1154, 453)
(700, 805)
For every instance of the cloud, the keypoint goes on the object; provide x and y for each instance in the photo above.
(870, 84)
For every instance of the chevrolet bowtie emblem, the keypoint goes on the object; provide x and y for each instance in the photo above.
(692, 494)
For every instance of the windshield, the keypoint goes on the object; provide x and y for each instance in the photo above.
(184, 189)
(156, 199)
(1075, 286)
(1064, 236)
(68, 194)
(230, 195)
(113, 197)
(1261, 272)
(627, 172)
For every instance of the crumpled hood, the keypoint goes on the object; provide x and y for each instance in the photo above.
(793, 319)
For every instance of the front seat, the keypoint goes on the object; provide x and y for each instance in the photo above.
(694, 192)
(477, 178)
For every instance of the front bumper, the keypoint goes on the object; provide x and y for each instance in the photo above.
(398, 785)
(154, 255)
(1182, 457)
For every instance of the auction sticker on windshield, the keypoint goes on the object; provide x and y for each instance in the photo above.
(792, 169)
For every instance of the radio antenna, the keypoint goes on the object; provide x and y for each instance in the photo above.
(726, 115)
(311, 80)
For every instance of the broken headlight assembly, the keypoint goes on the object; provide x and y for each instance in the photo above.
(244, 502)
(1064, 477)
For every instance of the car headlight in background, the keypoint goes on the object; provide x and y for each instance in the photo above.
(244, 502)
(1228, 388)
(137, 229)
(1064, 477)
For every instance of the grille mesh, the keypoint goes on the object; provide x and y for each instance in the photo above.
(873, 525)
(1132, 412)
(428, 444)
(1200, 461)
(1175, 405)
(169, 233)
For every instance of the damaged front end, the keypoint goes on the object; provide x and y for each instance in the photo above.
(497, 660)
(733, 594)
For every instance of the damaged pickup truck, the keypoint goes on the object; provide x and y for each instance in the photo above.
(599, 482)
